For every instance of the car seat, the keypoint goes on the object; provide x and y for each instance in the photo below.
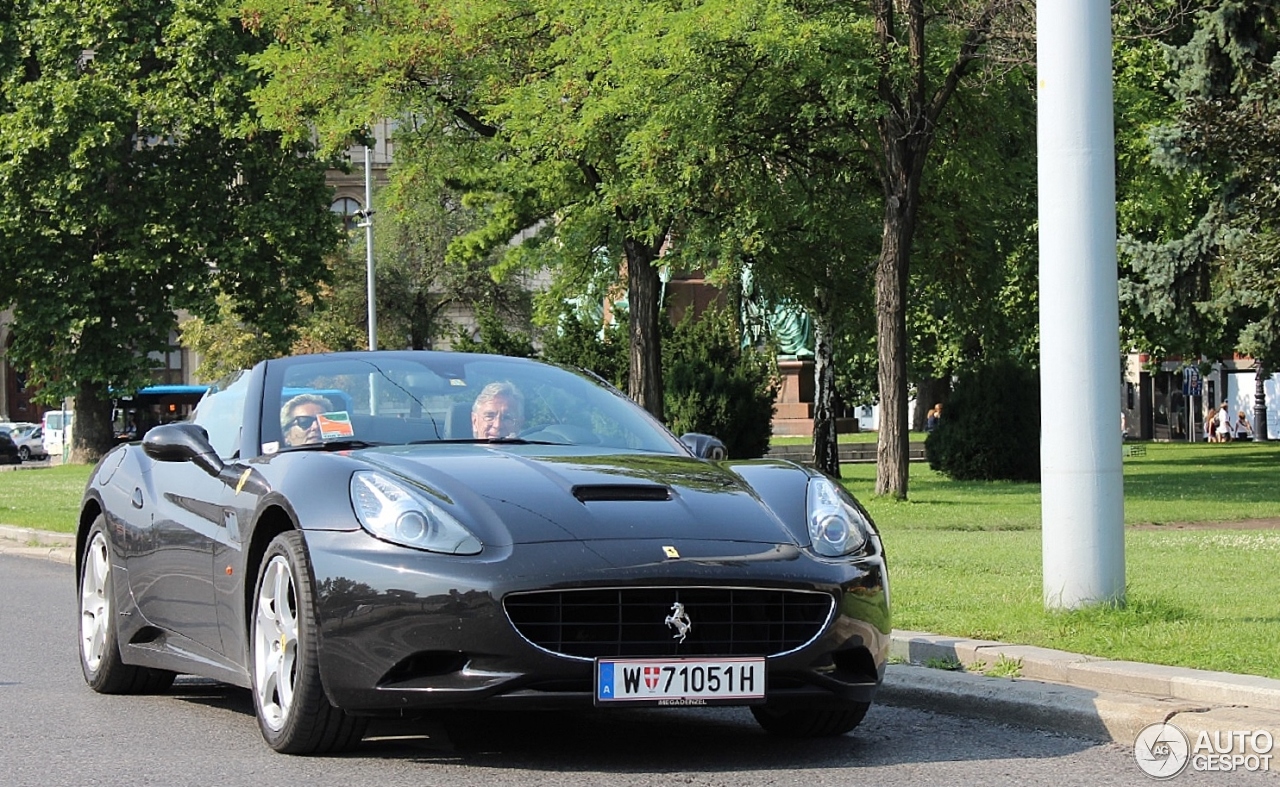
(457, 422)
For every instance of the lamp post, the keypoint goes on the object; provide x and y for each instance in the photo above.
(1082, 494)
(1259, 400)
(366, 221)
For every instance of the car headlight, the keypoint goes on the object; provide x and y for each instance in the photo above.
(393, 512)
(836, 527)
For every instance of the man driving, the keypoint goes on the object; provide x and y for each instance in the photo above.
(498, 412)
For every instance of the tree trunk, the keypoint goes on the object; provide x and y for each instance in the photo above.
(645, 386)
(826, 449)
(905, 133)
(92, 434)
(892, 450)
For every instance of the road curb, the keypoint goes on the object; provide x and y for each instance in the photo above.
(1068, 710)
(1095, 698)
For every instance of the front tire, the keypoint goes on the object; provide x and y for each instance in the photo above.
(293, 712)
(100, 661)
(810, 722)
(24, 454)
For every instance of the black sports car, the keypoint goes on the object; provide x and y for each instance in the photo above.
(385, 533)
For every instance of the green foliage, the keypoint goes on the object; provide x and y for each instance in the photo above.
(578, 341)
(990, 427)
(1204, 281)
(494, 337)
(973, 274)
(135, 184)
(224, 343)
(716, 387)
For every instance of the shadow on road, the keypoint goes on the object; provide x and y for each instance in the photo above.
(659, 740)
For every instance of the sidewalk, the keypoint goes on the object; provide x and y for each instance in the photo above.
(1067, 693)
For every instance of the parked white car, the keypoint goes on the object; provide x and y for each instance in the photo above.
(30, 442)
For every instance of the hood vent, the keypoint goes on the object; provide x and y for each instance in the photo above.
(588, 493)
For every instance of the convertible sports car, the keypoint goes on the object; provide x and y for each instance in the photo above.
(386, 533)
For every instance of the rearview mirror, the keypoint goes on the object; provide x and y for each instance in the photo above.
(704, 446)
(183, 442)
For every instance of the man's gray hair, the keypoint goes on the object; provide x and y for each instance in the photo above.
(497, 390)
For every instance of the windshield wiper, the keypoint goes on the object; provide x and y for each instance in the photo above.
(485, 441)
(333, 445)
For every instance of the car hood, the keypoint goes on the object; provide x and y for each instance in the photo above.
(539, 494)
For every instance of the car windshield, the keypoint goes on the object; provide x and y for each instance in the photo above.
(401, 398)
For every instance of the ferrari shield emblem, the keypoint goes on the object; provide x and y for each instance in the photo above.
(671, 552)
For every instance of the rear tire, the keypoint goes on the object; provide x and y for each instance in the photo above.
(293, 712)
(810, 722)
(104, 670)
(24, 453)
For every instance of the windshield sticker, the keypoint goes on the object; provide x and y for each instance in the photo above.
(335, 424)
(271, 447)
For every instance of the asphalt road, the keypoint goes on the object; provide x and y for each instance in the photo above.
(55, 731)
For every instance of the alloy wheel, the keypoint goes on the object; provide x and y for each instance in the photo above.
(95, 605)
(275, 650)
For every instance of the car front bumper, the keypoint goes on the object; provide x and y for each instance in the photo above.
(404, 631)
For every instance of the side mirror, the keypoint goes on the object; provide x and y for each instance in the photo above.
(704, 446)
(183, 442)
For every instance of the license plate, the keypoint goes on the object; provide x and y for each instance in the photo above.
(680, 681)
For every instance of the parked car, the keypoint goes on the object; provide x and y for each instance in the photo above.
(9, 427)
(368, 534)
(8, 450)
(30, 442)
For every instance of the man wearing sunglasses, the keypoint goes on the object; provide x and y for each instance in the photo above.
(298, 422)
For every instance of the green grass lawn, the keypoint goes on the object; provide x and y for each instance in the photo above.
(965, 557)
(45, 498)
(965, 560)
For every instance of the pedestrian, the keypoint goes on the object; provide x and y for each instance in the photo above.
(1210, 434)
(1223, 426)
(1242, 429)
(931, 420)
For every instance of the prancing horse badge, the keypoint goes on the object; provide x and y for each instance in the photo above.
(679, 620)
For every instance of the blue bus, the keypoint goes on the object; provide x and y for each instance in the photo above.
(152, 406)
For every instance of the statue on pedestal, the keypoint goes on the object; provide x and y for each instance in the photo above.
(778, 322)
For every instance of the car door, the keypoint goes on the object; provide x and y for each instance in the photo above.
(174, 580)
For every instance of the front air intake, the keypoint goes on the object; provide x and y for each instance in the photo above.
(632, 622)
(621, 492)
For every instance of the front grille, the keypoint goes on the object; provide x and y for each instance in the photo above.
(631, 622)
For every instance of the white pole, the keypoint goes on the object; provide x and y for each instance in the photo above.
(368, 249)
(1080, 456)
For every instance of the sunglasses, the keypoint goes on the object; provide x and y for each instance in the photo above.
(303, 422)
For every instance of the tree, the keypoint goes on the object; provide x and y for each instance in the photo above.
(973, 280)
(419, 217)
(625, 126)
(528, 89)
(1164, 209)
(224, 343)
(922, 58)
(135, 183)
(1228, 132)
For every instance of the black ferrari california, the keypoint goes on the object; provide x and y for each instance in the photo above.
(368, 534)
